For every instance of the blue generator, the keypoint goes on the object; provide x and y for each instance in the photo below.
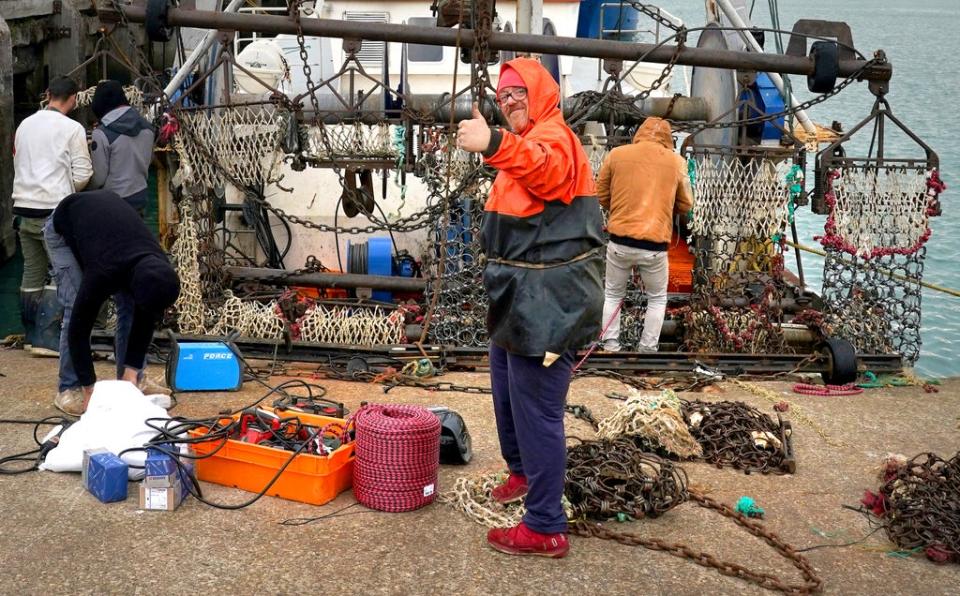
(204, 366)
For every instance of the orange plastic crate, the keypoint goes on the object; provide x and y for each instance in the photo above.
(308, 479)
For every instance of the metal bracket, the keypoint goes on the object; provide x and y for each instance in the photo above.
(837, 30)
(612, 66)
(57, 6)
(352, 46)
(225, 37)
(879, 88)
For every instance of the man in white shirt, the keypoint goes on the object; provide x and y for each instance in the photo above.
(51, 160)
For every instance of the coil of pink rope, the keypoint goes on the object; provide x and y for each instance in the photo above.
(827, 390)
(397, 456)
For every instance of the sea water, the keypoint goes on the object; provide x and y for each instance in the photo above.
(920, 40)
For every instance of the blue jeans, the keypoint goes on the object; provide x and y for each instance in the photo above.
(528, 401)
(68, 275)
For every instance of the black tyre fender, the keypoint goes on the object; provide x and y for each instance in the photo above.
(155, 23)
(826, 66)
(841, 361)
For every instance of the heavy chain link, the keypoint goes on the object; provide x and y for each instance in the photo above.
(788, 112)
(812, 582)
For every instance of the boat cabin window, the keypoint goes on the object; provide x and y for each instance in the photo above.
(417, 52)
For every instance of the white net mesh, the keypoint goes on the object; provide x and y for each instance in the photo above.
(657, 418)
(740, 197)
(134, 97)
(249, 318)
(880, 207)
(185, 255)
(342, 325)
(239, 141)
(351, 140)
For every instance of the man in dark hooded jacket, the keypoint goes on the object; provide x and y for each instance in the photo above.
(542, 238)
(122, 146)
(103, 239)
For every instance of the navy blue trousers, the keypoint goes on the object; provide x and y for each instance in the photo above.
(528, 400)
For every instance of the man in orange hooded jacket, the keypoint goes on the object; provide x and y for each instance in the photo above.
(542, 236)
(642, 185)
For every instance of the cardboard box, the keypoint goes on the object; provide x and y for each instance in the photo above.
(167, 481)
(107, 477)
(159, 463)
(154, 498)
(86, 464)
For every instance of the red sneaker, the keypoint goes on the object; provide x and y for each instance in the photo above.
(511, 491)
(521, 540)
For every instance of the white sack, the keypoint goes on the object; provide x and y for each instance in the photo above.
(114, 420)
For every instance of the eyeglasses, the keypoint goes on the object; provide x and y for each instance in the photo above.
(518, 94)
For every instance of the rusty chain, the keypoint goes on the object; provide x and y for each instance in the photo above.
(693, 129)
(617, 479)
(812, 583)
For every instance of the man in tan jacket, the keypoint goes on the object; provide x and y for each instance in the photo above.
(642, 185)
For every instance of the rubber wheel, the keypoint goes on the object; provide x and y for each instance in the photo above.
(841, 362)
(826, 66)
(155, 23)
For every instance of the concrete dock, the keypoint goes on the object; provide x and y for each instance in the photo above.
(57, 538)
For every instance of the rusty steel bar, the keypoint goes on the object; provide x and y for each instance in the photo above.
(539, 44)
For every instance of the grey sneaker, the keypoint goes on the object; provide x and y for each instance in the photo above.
(70, 401)
(148, 386)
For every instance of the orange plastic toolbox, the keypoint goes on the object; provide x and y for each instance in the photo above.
(308, 479)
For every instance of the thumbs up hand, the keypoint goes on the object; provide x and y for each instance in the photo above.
(474, 135)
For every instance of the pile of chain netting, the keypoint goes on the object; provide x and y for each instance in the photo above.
(618, 478)
(612, 477)
(875, 235)
(736, 435)
(656, 421)
(744, 198)
(921, 506)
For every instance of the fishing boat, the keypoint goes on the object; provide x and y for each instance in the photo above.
(308, 151)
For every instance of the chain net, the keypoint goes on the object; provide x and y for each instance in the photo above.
(875, 235)
(236, 143)
(743, 199)
(329, 142)
(921, 506)
(455, 270)
(735, 434)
